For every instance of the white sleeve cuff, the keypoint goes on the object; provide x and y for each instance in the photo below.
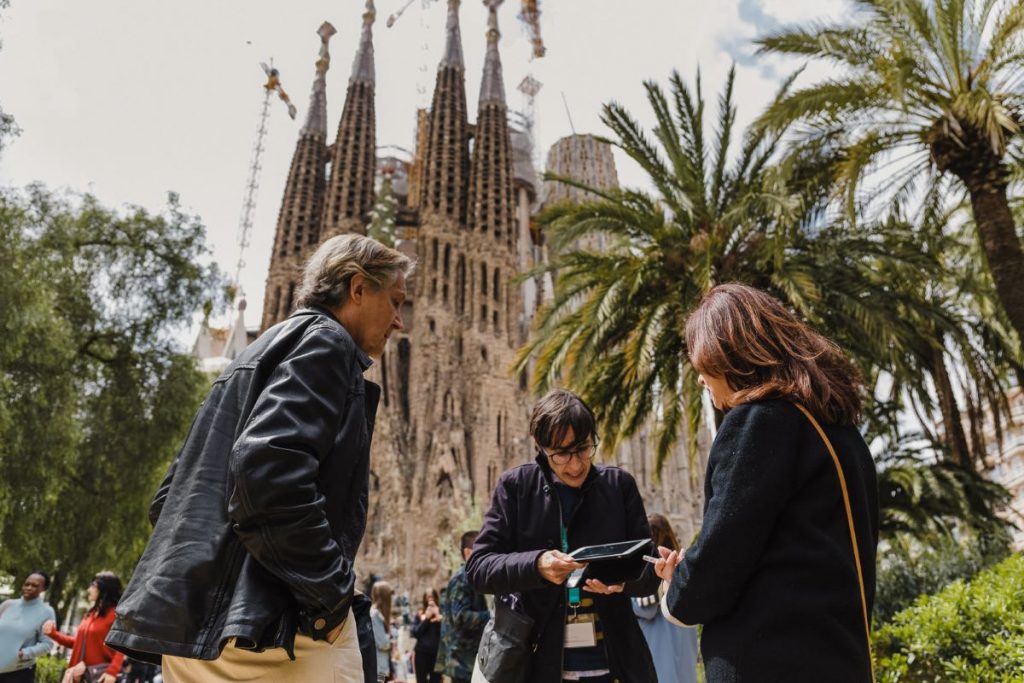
(668, 615)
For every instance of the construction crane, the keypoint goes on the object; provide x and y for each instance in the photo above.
(530, 16)
(252, 185)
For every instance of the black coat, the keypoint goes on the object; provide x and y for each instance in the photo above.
(259, 519)
(772, 575)
(523, 523)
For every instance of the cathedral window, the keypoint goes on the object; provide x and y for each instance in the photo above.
(483, 279)
(497, 285)
(404, 362)
(460, 286)
(275, 309)
(291, 300)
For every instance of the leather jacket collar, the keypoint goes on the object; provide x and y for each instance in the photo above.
(364, 359)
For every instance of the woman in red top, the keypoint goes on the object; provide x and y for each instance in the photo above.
(87, 646)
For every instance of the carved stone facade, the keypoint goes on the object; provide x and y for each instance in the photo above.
(452, 415)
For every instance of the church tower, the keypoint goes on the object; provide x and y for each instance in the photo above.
(354, 153)
(446, 158)
(298, 221)
(490, 205)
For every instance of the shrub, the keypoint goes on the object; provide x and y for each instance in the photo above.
(50, 669)
(907, 571)
(970, 631)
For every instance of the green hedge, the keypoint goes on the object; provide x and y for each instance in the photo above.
(970, 631)
(50, 669)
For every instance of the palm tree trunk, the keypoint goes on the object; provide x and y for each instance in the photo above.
(1002, 246)
(956, 438)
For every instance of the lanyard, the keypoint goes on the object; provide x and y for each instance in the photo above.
(574, 593)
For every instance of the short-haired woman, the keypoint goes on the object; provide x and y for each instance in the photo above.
(673, 647)
(540, 512)
(426, 629)
(21, 630)
(87, 646)
(782, 574)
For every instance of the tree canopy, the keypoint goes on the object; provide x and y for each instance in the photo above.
(95, 391)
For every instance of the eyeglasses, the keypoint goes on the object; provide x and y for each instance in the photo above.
(562, 457)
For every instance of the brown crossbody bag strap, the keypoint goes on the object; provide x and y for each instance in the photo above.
(853, 533)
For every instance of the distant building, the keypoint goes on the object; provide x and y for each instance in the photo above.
(216, 347)
(1007, 467)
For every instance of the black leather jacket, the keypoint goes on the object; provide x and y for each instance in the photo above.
(258, 521)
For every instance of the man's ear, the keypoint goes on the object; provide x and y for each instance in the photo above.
(357, 288)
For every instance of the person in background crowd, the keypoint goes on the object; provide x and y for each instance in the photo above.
(464, 616)
(87, 646)
(380, 595)
(782, 574)
(21, 630)
(539, 513)
(427, 632)
(673, 647)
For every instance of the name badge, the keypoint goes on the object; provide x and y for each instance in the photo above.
(580, 635)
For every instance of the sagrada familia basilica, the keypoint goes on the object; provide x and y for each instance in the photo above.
(453, 416)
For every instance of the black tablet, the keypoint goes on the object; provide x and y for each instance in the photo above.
(608, 551)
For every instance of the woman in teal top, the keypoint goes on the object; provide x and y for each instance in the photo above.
(21, 635)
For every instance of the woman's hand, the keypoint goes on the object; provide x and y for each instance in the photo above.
(595, 586)
(666, 566)
(107, 678)
(49, 627)
(555, 566)
(75, 673)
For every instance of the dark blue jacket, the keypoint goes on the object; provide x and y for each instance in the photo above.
(772, 576)
(259, 519)
(523, 523)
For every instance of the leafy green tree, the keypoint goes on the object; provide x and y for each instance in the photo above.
(614, 330)
(382, 218)
(918, 87)
(95, 393)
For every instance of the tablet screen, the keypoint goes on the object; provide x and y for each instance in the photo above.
(607, 551)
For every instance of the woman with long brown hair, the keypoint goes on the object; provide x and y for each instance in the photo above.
(380, 616)
(782, 574)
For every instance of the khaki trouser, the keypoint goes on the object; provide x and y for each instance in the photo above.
(316, 661)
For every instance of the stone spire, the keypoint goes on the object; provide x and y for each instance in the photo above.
(362, 66)
(354, 155)
(490, 184)
(316, 119)
(492, 89)
(453, 40)
(446, 159)
(298, 221)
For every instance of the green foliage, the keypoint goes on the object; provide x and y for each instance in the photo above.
(970, 631)
(94, 393)
(614, 329)
(919, 89)
(382, 218)
(50, 669)
(908, 570)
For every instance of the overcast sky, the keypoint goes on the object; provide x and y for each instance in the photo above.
(130, 99)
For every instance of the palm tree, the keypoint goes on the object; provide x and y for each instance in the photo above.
(614, 329)
(921, 85)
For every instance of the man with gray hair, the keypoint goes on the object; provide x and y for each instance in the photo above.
(249, 572)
